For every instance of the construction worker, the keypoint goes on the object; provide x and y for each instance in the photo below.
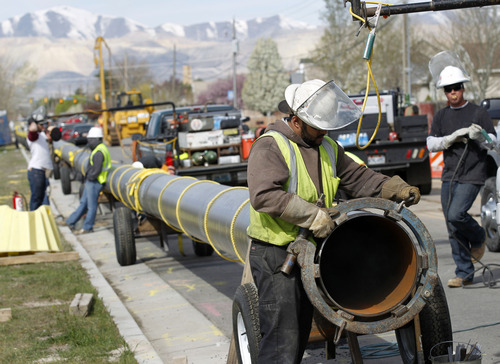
(96, 175)
(289, 167)
(456, 130)
(40, 165)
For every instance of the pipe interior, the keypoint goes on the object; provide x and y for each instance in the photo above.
(368, 265)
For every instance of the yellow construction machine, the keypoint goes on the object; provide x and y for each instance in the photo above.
(131, 113)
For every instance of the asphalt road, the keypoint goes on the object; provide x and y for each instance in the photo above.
(182, 303)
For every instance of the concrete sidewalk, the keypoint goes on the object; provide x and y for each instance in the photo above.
(157, 323)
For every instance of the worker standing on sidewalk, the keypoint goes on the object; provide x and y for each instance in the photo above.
(456, 130)
(289, 167)
(96, 175)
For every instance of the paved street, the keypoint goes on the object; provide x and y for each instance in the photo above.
(182, 303)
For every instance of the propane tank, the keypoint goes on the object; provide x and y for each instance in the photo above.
(17, 202)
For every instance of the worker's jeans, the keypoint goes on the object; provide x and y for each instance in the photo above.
(38, 186)
(461, 226)
(284, 310)
(88, 203)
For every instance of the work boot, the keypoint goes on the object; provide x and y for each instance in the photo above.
(477, 253)
(61, 223)
(458, 282)
(83, 231)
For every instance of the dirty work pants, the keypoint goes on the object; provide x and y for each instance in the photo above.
(285, 312)
(88, 203)
(464, 232)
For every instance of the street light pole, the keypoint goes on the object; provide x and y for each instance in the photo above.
(235, 52)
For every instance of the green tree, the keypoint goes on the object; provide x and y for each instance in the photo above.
(266, 79)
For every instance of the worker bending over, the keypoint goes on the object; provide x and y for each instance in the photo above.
(289, 167)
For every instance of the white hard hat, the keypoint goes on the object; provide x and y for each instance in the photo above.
(137, 164)
(322, 105)
(451, 75)
(95, 132)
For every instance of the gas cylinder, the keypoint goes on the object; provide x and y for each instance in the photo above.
(17, 202)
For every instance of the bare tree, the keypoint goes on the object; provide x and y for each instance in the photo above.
(475, 36)
(339, 54)
(16, 82)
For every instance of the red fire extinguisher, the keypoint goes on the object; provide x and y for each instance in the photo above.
(17, 202)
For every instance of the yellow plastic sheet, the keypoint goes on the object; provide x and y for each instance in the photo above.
(28, 231)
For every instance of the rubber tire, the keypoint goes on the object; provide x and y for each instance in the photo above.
(66, 179)
(124, 236)
(246, 326)
(425, 189)
(435, 326)
(491, 228)
(57, 170)
(202, 249)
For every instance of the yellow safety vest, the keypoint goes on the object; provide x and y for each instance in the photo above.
(106, 163)
(276, 230)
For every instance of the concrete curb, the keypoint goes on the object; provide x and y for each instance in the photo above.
(128, 328)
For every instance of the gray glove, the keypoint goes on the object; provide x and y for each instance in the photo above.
(307, 215)
(475, 133)
(456, 136)
(398, 190)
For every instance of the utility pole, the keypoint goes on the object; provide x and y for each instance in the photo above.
(173, 72)
(235, 52)
(406, 57)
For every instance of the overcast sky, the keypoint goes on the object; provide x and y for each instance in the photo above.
(184, 12)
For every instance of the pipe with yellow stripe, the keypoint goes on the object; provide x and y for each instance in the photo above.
(203, 210)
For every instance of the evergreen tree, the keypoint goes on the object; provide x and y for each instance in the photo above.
(266, 79)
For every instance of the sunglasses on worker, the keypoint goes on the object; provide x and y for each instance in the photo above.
(455, 87)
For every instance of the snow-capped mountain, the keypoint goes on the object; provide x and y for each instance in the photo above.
(69, 22)
(59, 43)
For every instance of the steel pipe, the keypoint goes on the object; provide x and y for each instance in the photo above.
(204, 210)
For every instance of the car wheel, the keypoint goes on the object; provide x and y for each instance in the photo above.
(488, 215)
(65, 179)
(202, 249)
(435, 327)
(124, 236)
(246, 326)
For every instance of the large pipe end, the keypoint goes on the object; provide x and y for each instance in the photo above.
(368, 265)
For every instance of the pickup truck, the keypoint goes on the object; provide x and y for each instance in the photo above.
(200, 141)
(399, 147)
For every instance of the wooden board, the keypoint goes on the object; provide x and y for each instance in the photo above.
(39, 258)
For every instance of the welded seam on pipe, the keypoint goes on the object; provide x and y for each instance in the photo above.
(111, 181)
(120, 190)
(136, 184)
(82, 166)
(177, 208)
(129, 189)
(160, 205)
(205, 223)
(233, 224)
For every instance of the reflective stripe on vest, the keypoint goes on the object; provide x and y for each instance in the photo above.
(276, 230)
(106, 163)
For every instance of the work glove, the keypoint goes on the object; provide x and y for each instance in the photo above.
(456, 136)
(398, 190)
(475, 133)
(307, 215)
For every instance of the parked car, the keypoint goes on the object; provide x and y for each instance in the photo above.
(77, 134)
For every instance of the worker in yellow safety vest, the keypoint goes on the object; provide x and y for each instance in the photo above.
(289, 167)
(96, 175)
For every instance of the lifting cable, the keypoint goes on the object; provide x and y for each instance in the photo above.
(367, 55)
